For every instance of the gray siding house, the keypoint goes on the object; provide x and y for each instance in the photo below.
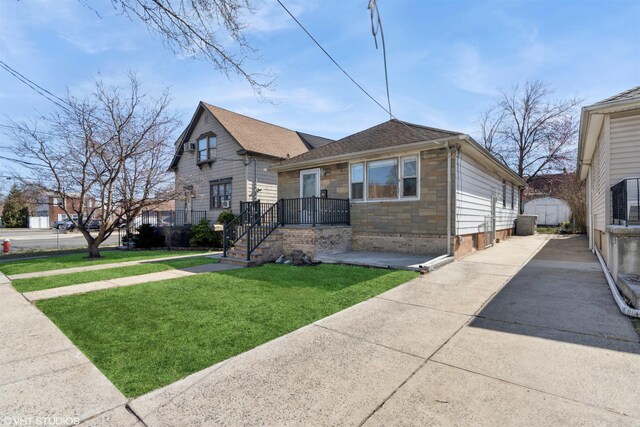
(223, 158)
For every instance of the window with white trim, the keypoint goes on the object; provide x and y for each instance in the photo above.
(357, 181)
(504, 193)
(394, 178)
(207, 146)
(409, 176)
(513, 195)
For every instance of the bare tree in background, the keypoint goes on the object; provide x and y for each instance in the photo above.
(105, 156)
(213, 30)
(574, 192)
(530, 131)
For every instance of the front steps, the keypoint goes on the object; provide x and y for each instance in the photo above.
(269, 250)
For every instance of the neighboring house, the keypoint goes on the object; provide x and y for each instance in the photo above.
(396, 187)
(222, 158)
(50, 206)
(609, 161)
(541, 198)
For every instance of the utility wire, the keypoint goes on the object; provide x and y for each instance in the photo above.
(347, 74)
(373, 7)
(36, 87)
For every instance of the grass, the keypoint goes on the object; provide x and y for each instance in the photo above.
(146, 336)
(48, 282)
(547, 230)
(81, 260)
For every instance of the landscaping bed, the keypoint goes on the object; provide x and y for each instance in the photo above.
(59, 280)
(81, 260)
(146, 336)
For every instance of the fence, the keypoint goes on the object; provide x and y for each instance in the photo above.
(168, 218)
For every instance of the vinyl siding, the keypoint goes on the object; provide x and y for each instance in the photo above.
(228, 165)
(267, 181)
(625, 148)
(475, 187)
(600, 179)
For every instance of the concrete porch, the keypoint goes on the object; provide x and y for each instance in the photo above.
(379, 259)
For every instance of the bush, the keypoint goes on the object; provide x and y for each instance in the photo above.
(202, 235)
(147, 237)
(226, 217)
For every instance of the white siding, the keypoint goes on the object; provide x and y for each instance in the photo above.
(625, 148)
(600, 179)
(475, 188)
(228, 165)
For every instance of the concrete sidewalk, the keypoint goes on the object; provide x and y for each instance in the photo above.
(126, 281)
(42, 374)
(105, 266)
(454, 347)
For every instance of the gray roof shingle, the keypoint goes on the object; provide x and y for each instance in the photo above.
(391, 133)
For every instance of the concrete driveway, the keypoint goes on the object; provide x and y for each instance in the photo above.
(501, 337)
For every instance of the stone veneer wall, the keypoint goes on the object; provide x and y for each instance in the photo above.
(315, 241)
(417, 226)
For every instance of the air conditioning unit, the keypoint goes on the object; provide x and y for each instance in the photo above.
(189, 146)
(226, 204)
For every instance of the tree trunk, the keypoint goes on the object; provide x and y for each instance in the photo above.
(94, 252)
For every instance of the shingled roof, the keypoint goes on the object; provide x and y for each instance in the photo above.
(253, 135)
(623, 96)
(391, 133)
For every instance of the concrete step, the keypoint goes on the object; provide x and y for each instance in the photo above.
(629, 285)
(237, 261)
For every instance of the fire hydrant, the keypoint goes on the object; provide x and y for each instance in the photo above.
(6, 245)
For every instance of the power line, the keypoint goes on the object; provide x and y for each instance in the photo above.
(373, 6)
(36, 87)
(347, 74)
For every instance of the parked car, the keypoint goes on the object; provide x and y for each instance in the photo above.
(94, 224)
(65, 224)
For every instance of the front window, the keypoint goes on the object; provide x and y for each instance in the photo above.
(409, 177)
(382, 179)
(504, 193)
(207, 148)
(513, 187)
(220, 195)
(357, 181)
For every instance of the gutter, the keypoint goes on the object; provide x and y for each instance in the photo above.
(624, 308)
(356, 154)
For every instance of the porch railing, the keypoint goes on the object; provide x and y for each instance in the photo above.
(625, 202)
(315, 211)
(258, 220)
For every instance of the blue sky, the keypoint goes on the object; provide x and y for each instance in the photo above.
(447, 59)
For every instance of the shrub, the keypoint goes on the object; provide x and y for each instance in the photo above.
(226, 217)
(147, 237)
(202, 235)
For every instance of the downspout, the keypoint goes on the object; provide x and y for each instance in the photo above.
(624, 308)
(449, 251)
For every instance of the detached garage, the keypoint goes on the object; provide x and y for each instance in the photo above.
(550, 211)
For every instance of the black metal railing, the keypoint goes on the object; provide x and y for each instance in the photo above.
(315, 211)
(258, 220)
(159, 219)
(235, 229)
(262, 228)
(625, 202)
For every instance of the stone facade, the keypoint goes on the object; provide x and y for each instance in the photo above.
(408, 226)
(316, 241)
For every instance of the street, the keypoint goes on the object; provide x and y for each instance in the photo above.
(24, 239)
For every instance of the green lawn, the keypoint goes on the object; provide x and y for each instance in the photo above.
(146, 336)
(81, 260)
(39, 283)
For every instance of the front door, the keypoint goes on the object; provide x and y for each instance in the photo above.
(309, 187)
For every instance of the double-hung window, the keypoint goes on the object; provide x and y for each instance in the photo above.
(207, 146)
(357, 181)
(220, 194)
(409, 176)
(504, 193)
(513, 195)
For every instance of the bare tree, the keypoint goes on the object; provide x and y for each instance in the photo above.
(202, 28)
(530, 131)
(574, 192)
(105, 156)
